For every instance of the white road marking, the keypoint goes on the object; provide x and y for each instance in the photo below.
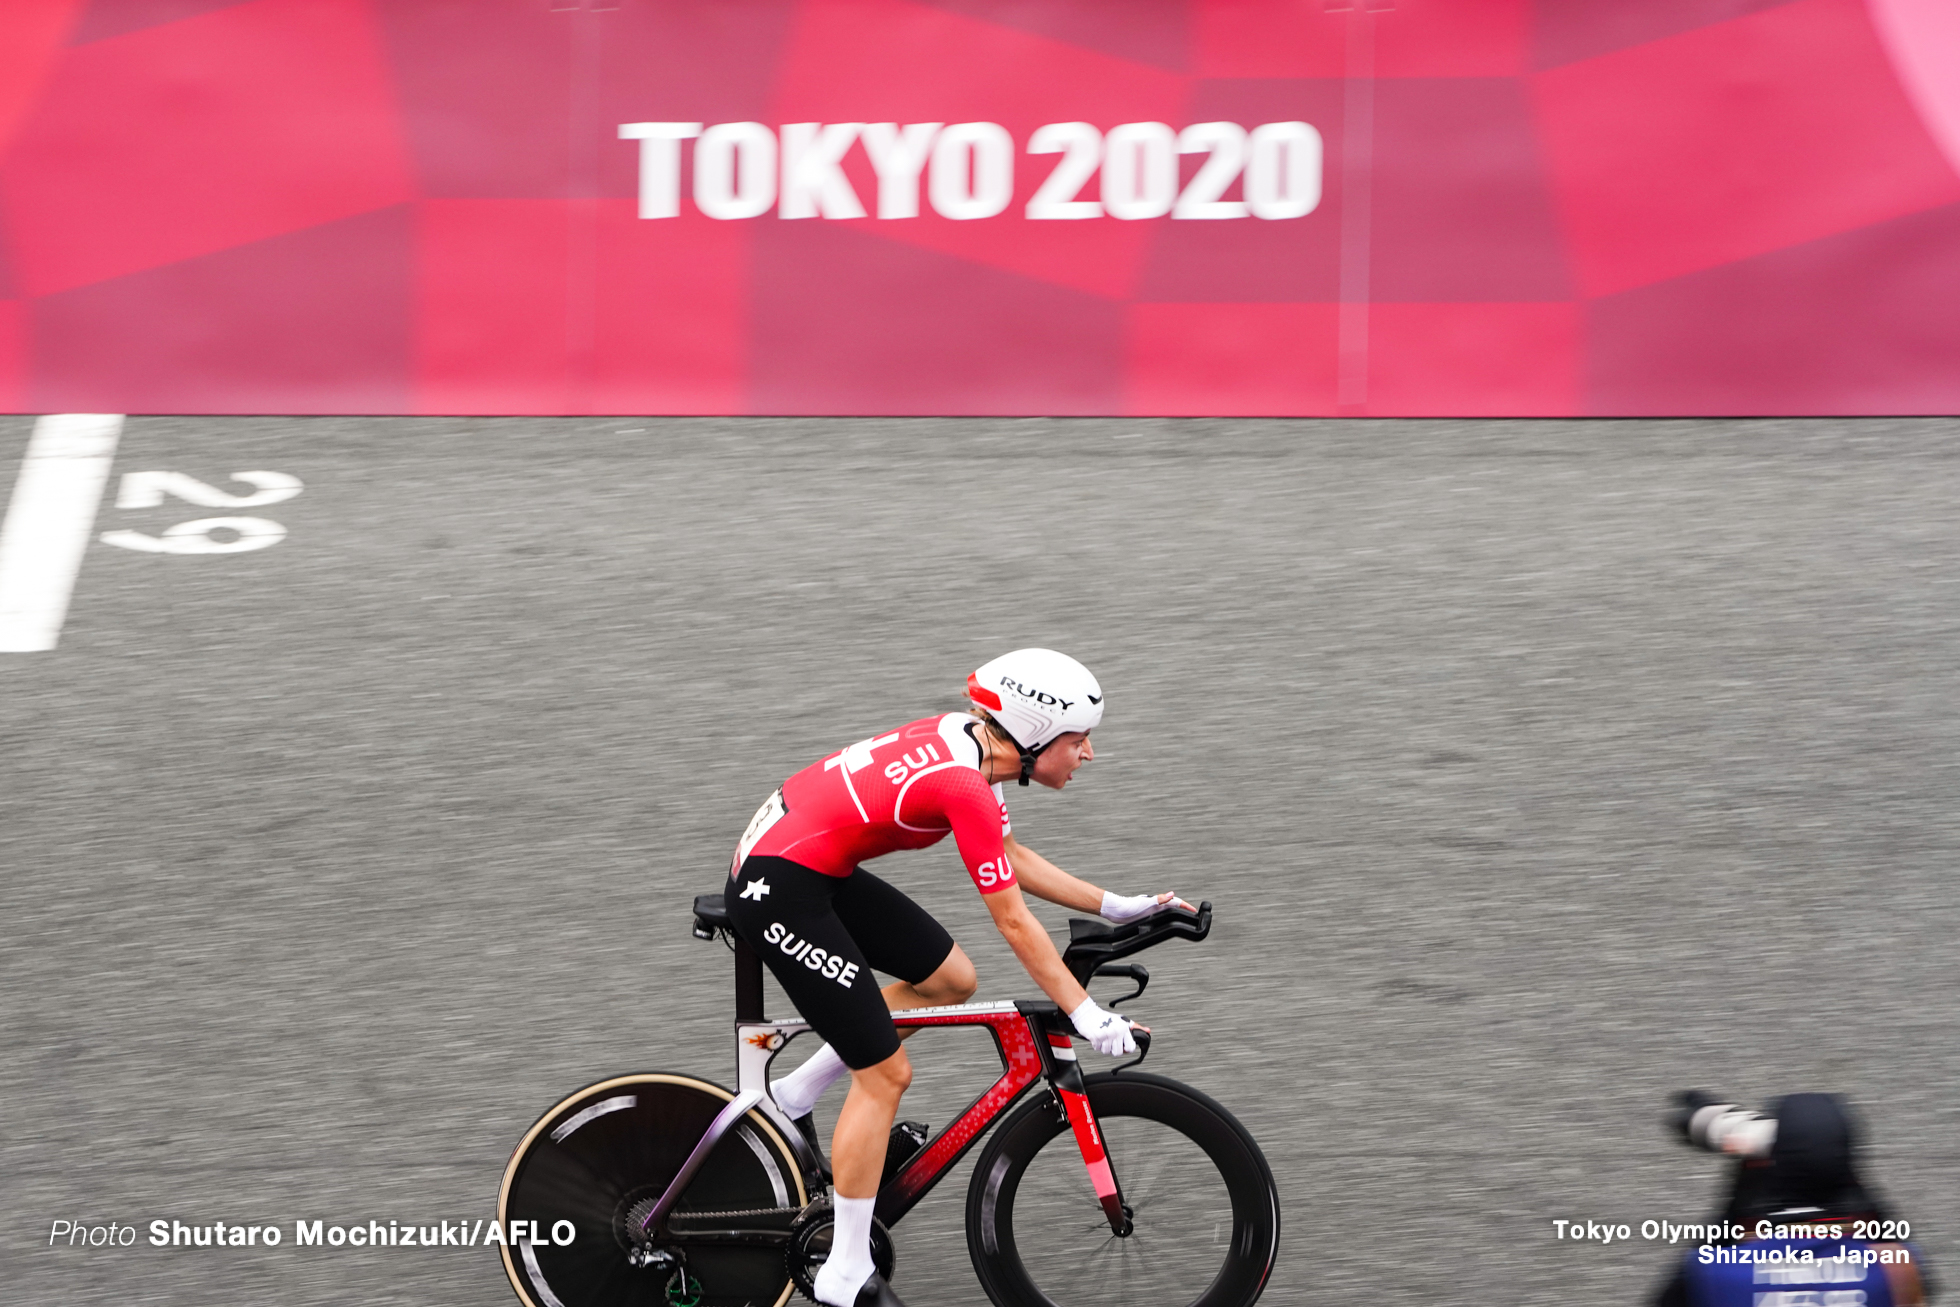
(195, 537)
(49, 522)
(147, 489)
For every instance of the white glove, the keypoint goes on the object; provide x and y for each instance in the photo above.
(1109, 1032)
(1118, 909)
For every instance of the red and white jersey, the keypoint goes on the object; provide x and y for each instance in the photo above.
(905, 789)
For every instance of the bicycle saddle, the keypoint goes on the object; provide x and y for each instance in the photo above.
(710, 915)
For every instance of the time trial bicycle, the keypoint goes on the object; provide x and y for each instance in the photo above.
(1118, 1189)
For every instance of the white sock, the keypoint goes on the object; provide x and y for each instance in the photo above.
(798, 1092)
(849, 1264)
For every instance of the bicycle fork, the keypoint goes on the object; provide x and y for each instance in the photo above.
(1067, 1079)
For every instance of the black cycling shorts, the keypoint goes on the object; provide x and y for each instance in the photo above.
(823, 936)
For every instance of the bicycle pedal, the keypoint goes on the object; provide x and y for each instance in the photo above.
(907, 1138)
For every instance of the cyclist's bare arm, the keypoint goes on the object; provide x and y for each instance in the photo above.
(1045, 880)
(1031, 943)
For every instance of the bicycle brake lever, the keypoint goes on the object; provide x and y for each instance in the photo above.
(1143, 1048)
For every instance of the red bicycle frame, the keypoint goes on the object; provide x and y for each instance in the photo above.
(1034, 1042)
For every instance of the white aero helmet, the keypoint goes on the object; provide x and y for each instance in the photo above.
(1036, 695)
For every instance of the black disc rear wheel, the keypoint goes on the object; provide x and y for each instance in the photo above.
(1204, 1208)
(615, 1145)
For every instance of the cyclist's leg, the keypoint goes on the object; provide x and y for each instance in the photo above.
(796, 929)
(902, 939)
(786, 913)
(857, 1159)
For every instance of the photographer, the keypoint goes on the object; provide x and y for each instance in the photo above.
(1805, 1231)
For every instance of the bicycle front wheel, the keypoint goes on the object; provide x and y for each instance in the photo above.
(1201, 1197)
(614, 1145)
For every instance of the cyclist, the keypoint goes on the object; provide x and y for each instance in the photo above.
(822, 923)
(1797, 1208)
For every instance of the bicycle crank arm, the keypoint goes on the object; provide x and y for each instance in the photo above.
(724, 1121)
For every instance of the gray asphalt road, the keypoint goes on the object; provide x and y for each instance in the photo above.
(1535, 770)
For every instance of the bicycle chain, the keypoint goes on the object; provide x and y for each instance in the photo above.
(736, 1213)
(636, 1216)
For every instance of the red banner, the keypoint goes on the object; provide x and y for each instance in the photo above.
(1289, 207)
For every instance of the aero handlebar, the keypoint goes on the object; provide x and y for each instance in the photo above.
(1093, 944)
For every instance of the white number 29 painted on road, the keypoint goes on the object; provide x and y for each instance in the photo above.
(147, 490)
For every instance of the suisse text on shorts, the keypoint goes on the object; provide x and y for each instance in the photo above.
(306, 1234)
